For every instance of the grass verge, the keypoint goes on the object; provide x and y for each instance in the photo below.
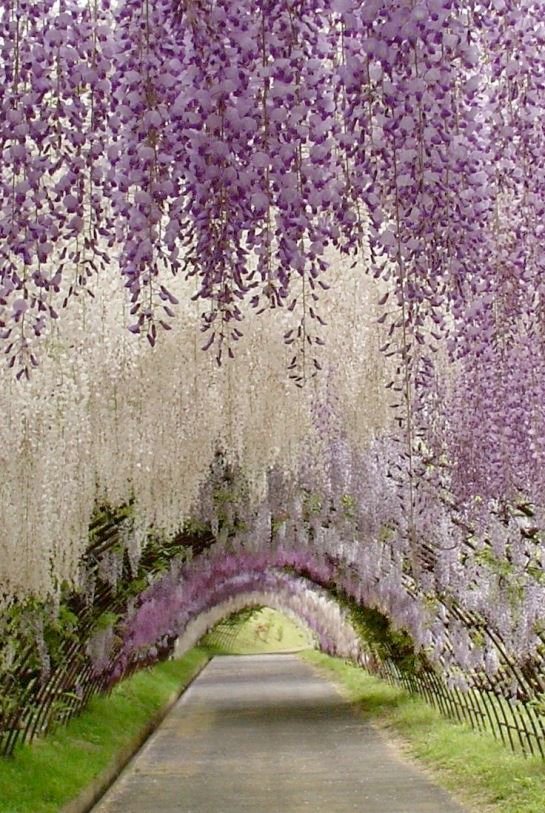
(264, 630)
(484, 775)
(46, 775)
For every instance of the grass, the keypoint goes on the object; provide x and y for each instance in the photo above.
(266, 630)
(49, 773)
(484, 775)
(44, 776)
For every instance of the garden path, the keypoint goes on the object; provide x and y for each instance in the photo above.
(266, 734)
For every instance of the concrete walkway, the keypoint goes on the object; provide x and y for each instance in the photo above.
(265, 734)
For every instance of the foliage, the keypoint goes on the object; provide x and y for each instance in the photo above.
(256, 630)
(352, 192)
(380, 637)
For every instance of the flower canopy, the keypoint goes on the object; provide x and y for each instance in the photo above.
(302, 241)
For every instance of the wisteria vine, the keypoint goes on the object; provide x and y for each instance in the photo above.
(349, 190)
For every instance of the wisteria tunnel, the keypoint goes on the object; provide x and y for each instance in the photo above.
(272, 309)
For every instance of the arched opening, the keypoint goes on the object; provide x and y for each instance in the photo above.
(303, 615)
(259, 629)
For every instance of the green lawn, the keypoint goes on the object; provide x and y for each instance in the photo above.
(480, 772)
(44, 776)
(263, 630)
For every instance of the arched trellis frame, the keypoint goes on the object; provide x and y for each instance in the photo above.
(320, 617)
(476, 276)
(189, 590)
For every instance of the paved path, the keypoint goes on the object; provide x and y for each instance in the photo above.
(265, 734)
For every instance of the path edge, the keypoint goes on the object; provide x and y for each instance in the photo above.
(92, 793)
(401, 745)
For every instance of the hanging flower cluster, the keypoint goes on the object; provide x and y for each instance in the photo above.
(188, 607)
(55, 65)
(236, 143)
(223, 160)
(107, 420)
